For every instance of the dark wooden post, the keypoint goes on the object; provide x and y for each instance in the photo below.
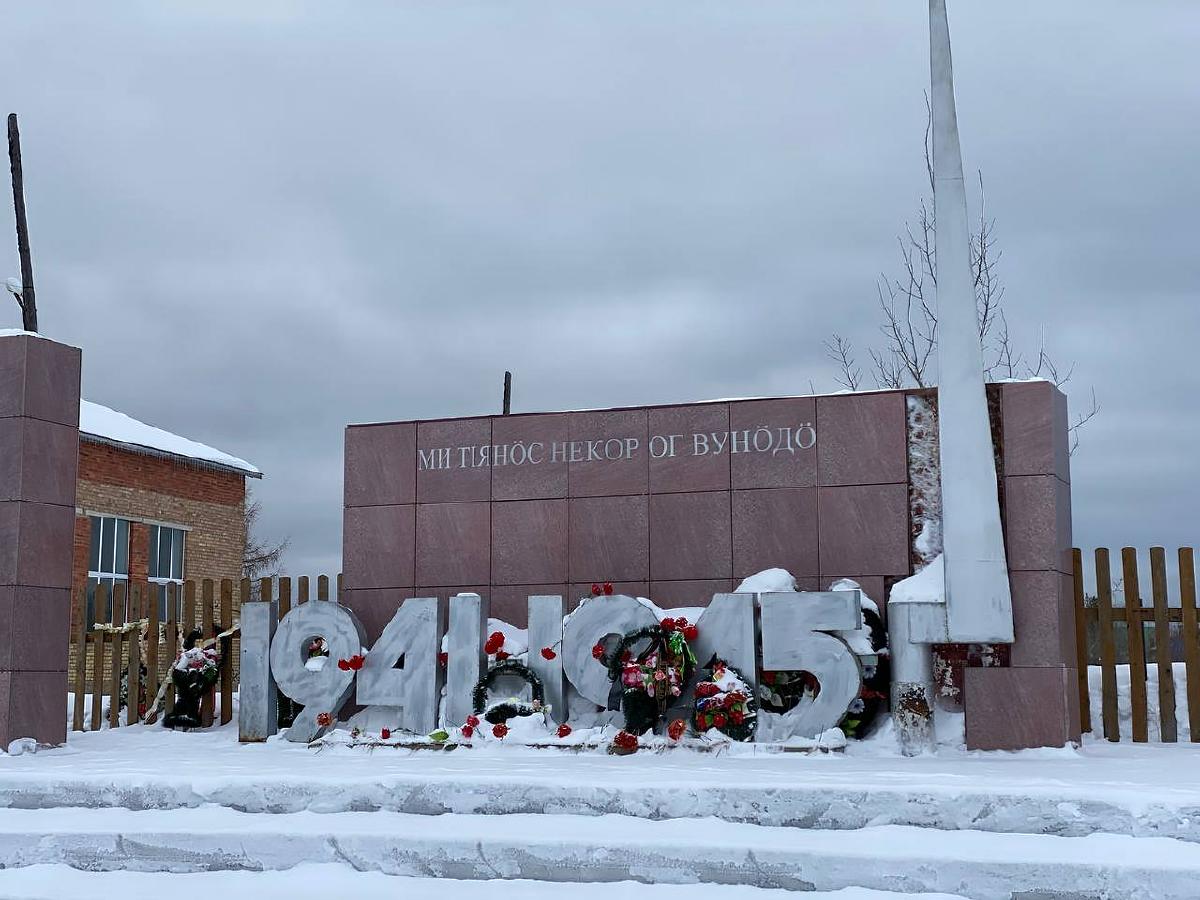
(26, 298)
(507, 393)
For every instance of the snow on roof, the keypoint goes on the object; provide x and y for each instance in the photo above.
(109, 425)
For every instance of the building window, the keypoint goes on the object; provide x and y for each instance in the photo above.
(166, 565)
(108, 562)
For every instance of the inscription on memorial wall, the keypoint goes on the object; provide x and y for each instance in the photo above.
(772, 439)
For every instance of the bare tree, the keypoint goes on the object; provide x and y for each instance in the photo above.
(907, 303)
(261, 557)
(841, 351)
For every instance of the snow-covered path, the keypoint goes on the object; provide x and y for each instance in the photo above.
(308, 880)
(250, 819)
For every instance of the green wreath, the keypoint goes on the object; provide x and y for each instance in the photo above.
(508, 709)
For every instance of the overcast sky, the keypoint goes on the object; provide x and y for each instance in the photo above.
(265, 220)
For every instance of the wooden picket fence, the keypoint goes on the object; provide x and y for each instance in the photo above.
(111, 652)
(1132, 622)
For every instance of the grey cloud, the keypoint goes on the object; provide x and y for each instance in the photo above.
(265, 221)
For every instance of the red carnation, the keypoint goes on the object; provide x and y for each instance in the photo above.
(344, 665)
(500, 730)
(681, 622)
(356, 661)
(691, 632)
(608, 588)
(596, 590)
(626, 741)
(547, 653)
(667, 624)
(598, 652)
(719, 720)
(473, 721)
(467, 730)
(385, 733)
(737, 717)
(563, 730)
(494, 642)
(501, 654)
(676, 728)
(443, 658)
(324, 720)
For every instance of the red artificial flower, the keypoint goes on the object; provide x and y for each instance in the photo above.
(500, 730)
(494, 642)
(608, 588)
(344, 665)
(356, 661)
(707, 689)
(719, 720)
(501, 654)
(681, 622)
(467, 730)
(667, 624)
(547, 653)
(676, 729)
(598, 652)
(473, 721)
(691, 632)
(737, 717)
(625, 740)
(596, 590)
(385, 733)
(324, 720)
(563, 730)
(443, 659)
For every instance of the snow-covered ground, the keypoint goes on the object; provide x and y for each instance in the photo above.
(1105, 817)
(140, 812)
(1125, 704)
(317, 880)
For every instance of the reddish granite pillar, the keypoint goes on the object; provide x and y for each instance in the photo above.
(39, 459)
(1034, 701)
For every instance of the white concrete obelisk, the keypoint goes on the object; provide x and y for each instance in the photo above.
(978, 601)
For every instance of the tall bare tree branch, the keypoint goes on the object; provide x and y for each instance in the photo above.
(907, 302)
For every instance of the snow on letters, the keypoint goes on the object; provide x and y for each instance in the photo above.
(805, 630)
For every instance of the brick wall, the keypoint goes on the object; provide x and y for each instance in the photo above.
(211, 504)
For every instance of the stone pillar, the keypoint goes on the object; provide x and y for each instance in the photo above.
(39, 461)
(1034, 701)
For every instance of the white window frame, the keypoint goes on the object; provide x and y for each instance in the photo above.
(155, 530)
(100, 575)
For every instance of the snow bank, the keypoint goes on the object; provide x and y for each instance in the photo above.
(110, 425)
(1125, 702)
(52, 882)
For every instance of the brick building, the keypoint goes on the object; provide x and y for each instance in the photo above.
(154, 507)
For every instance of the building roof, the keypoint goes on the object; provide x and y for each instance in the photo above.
(107, 426)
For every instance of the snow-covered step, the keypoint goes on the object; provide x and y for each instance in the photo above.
(811, 800)
(326, 879)
(560, 848)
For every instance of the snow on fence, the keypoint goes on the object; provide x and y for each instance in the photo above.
(135, 646)
(1126, 635)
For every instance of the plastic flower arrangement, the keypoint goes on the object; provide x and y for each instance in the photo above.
(725, 701)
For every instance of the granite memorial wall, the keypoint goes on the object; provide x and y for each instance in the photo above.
(680, 502)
